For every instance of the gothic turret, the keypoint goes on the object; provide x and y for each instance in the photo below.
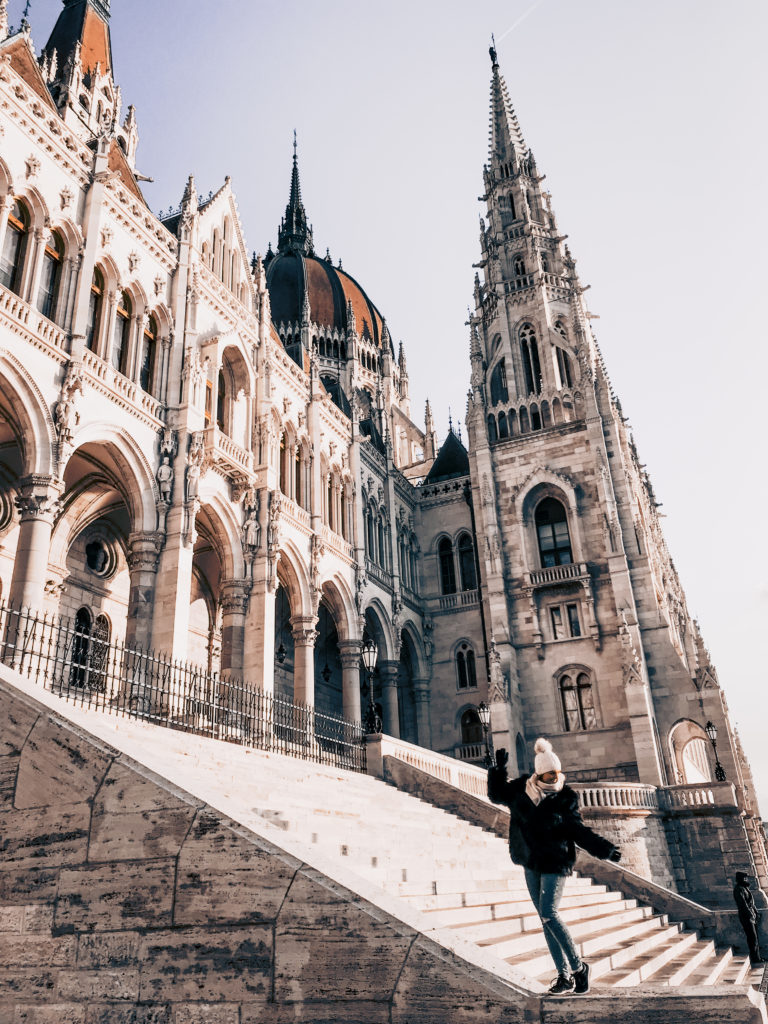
(295, 234)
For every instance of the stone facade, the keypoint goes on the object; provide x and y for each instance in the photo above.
(215, 457)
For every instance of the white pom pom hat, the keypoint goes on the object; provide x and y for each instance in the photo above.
(546, 759)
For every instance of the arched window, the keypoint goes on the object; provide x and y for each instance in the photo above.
(383, 545)
(89, 651)
(329, 509)
(50, 277)
(492, 433)
(283, 473)
(221, 405)
(447, 567)
(121, 333)
(503, 428)
(95, 306)
(499, 391)
(531, 365)
(520, 754)
(471, 727)
(544, 261)
(578, 702)
(14, 246)
(564, 368)
(519, 266)
(467, 563)
(81, 639)
(298, 490)
(146, 376)
(552, 532)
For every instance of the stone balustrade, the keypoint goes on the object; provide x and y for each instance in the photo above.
(469, 752)
(39, 327)
(463, 599)
(628, 796)
(558, 574)
(462, 776)
(337, 543)
(130, 395)
(379, 575)
(299, 515)
(227, 453)
(703, 795)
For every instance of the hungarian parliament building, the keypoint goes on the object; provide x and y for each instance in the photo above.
(214, 456)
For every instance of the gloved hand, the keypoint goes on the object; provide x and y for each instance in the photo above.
(615, 855)
(501, 758)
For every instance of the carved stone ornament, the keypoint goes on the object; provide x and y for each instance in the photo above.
(39, 498)
(159, 284)
(32, 167)
(133, 262)
(361, 581)
(234, 596)
(107, 234)
(65, 414)
(251, 527)
(169, 442)
(144, 551)
(66, 196)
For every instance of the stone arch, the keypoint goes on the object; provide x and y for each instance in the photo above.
(292, 574)
(134, 477)
(39, 213)
(338, 596)
(545, 483)
(420, 666)
(225, 529)
(28, 416)
(379, 624)
(6, 179)
(689, 750)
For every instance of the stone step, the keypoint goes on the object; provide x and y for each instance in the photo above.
(477, 930)
(644, 967)
(507, 900)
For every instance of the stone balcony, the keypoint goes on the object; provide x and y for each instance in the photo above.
(234, 461)
(378, 575)
(461, 599)
(558, 574)
(128, 394)
(337, 544)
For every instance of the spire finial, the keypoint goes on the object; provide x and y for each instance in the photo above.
(492, 52)
(295, 146)
(25, 17)
(295, 234)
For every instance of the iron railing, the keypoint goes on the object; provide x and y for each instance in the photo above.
(86, 667)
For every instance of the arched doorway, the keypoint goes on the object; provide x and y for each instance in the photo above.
(328, 668)
(405, 693)
(284, 647)
(690, 752)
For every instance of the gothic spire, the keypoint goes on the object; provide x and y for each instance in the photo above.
(83, 24)
(295, 234)
(507, 144)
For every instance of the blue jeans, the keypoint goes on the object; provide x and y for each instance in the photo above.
(546, 892)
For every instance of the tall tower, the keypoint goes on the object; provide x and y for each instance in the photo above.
(588, 622)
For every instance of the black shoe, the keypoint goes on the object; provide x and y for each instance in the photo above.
(581, 978)
(562, 983)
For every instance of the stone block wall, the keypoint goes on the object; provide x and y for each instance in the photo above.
(124, 900)
(707, 849)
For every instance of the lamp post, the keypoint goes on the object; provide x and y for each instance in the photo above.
(711, 730)
(372, 719)
(484, 713)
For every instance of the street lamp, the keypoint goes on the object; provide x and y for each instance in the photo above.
(484, 713)
(372, 719)
(711, 730)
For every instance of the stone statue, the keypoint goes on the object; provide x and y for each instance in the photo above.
(165, 479)
(252, 528)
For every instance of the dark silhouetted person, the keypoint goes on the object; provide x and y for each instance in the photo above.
(745, 903)
(544, 828)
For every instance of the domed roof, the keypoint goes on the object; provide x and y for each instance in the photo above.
(296, 274)
(331, 291)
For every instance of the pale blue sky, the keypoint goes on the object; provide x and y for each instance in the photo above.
(648, 120)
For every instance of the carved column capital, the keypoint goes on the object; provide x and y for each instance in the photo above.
(388, 672)
(144, 551)
(350, 652)
(38, 497)
(234, 596)
(303, 630)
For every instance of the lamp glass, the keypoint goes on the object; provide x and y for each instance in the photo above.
(369, 655)
(484, 712)
(711, 730)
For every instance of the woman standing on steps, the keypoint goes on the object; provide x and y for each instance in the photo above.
(544, 828)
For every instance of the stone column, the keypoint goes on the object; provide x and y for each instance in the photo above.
(38, 503)
(349, 653)
(304, 637)
(259, 640)
(34, 267)
(388, 672)
(143, 556)
(421, 697)
(234, 603)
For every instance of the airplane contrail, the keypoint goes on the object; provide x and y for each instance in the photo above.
(520, 20)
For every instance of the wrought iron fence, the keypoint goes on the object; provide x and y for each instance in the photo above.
(84, 666)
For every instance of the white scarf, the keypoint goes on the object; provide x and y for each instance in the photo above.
(537, 790)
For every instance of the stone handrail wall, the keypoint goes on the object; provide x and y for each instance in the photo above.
(558, 574)
(131, 394)
(708, 794)
(336, 542)
(295, 512)
(627, 796)
(462, 599)
(220, 444)
(464, 777)
(40, 328)
(381, 576)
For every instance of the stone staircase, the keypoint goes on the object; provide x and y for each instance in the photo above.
(456, 875)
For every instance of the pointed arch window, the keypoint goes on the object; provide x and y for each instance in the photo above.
(499, 390)
(519, 266)
(14, 246)
(545, 261)
(89, 651)
(121, 332)
(467, 563)
(564, 368)
(531, 364)
(492, 432)
(447, 567)
(95, 307)
(50, 277)
(221, 404)
(577, 701)
(503, 428)
(552, 533)
(471, 727)
(149, 352)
